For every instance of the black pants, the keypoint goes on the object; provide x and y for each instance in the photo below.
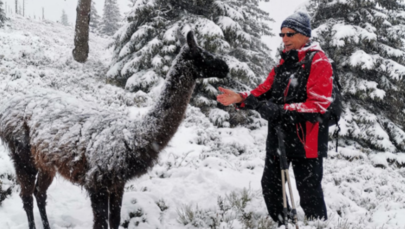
(308, 174)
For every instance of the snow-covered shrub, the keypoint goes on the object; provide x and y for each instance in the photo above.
(134, 219)
(5, 192)
(7, 175)
(237, 209)
(198, 218)
(219, 117)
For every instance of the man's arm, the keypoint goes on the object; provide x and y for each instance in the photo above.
(230, 97)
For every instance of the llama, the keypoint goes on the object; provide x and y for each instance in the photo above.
(98, 150)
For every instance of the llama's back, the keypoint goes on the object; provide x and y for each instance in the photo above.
(67, 136)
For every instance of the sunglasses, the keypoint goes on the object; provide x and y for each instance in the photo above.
(288, 34)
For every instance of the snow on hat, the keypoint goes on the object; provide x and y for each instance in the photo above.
(300, 22)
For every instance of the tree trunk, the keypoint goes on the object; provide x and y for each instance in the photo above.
(81, 50)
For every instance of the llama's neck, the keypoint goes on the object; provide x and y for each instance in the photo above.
(161, 123)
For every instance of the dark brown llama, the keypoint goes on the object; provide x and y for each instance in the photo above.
(99, 150)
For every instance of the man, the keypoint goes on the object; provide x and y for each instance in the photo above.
(295, 97)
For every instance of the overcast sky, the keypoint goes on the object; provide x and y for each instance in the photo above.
(53, 8)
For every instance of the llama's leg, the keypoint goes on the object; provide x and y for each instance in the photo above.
(99, 203)
(44, 180)
(26, 175)
(115, 207)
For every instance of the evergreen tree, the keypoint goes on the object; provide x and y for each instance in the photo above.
(64, 18)
(147, 44)
(366, 41)
(94, 18)
(131, 3)
(2, 14)
(111, 17)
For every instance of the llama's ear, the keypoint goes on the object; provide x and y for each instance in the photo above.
(192, 44)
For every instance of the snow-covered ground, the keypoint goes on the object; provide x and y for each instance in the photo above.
(211, 172)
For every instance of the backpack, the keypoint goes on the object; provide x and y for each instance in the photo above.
(335, 108)
(334, 111)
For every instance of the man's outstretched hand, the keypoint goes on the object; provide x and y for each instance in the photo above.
(228, 97)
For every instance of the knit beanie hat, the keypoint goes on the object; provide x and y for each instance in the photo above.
(300, 22)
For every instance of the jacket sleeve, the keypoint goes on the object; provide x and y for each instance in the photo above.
(267, 109)
(259, 90)
(319, 91)
(265, 86)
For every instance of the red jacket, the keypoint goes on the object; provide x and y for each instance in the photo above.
(307, 129)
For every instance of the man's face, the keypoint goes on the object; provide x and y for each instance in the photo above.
(295, 42)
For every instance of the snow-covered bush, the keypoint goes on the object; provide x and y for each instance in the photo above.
(7, 177)
(219, 117)
(234, 210)
(4, 192)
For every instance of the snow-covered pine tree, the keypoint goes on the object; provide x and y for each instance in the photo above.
(64, 19)
(2, 14)
(131, 3)
(366, 41)
(94, 18)
(146, 45)
(111, 17)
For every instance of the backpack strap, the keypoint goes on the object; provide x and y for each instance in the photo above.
(336, 133)
(336, 80)
(307, 61)
(336, 83)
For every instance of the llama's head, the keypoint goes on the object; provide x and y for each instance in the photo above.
(205, 64)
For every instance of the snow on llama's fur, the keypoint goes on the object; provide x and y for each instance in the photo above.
(48, 134)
